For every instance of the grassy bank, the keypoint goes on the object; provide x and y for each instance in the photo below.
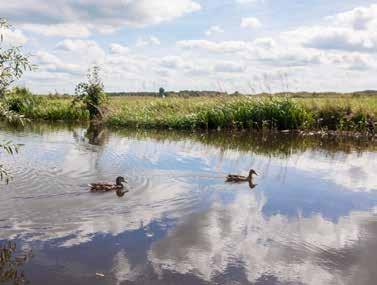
(44, 107)
(225, 112)
(209, 113)
(235, 112)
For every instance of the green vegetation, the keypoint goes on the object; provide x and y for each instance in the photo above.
(210, 113)
(21, 101)
(91, 94)
(342, 113)
(13, 63)
(183, 93)
(161, 92)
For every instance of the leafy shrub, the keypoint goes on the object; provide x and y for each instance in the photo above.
(91, 94)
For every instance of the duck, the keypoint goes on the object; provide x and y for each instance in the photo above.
(102, 187)
(240, 178)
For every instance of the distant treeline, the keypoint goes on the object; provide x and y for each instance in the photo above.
(188, 93)
(184, 93)
(304, 94)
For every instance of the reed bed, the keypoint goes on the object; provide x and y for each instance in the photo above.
(213, 112)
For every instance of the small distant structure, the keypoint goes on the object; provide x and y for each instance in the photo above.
(161, 92)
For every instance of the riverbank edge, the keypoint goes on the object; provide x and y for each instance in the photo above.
(236, 115)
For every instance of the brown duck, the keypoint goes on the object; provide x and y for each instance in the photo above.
(240, 178)
(101, 187)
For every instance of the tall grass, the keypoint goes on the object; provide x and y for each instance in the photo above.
(210, 113)
(40, 107)
(223, 112)
(349, 114)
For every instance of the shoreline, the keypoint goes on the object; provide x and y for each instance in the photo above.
(347, 117)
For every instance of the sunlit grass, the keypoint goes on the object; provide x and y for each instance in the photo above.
(221, 112)
(45, 108)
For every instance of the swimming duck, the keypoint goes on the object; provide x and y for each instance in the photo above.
(240, 178)
(107, 187)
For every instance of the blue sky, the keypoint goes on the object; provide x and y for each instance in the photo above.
(224, 45)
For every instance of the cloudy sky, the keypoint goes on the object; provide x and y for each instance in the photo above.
(224, 45)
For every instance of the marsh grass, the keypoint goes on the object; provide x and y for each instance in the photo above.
(43, 107)
(344, 113)
(210, 113)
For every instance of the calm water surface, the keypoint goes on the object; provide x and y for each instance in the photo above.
(311, 218)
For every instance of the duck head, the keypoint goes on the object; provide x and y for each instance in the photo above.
(120, 180)
(251, 173)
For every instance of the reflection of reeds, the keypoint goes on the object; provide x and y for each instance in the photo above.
(266, 143)
(9, 148)
(11, 263)
(259, 142)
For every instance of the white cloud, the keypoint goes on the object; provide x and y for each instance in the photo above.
(73, 30)
(113, 13)
(286, 57)
(86, 52)
(342, 45)
(88, 47)
(264, 50)
(51, 63)
(351, 31)
(251, 23)
(148, 41)
(225, 46)
(173, 62)
(119, 49)
(13, 37)
(358, 62)
(265, 42)
(153, 12)
(214, 30)
(342, 39)
(229, 67)
(249, 1)
(360, 18)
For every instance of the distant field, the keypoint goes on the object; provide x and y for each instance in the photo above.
(334, 112)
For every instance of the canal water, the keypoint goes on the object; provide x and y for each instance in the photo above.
(309, 217)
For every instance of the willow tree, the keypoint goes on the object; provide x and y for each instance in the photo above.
(13, 63)
(9, 148)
